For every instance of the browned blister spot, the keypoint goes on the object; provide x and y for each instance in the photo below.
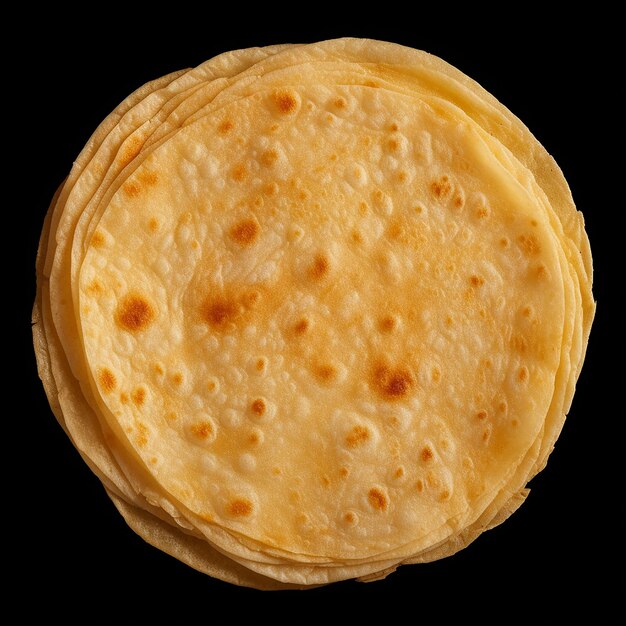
(419, 485)
(541, 272)
(269, 157)
(458, 201)
(504, 242)
(95, 288)
(503, 406)
(134, 313)
(444, 495)
(356, 236)
(399, 473)
(349, 517)
(98, 239)
(220, 311)
(404, 231)
(124, 398)
(171, 416)
(379, 196)
(441, 187)
(271, 189)
(148, 178)
(285, 101)
(482, 211)
(177, 378)
(377, 499)
(476, 281)
(153, 224)
(254, 438)
(325, 372)
(344, 472)
(260, 364)
(395, 230)
(357, 436)
(529, 244)
(250, 298)
(387, 324)
(393, 144)
(240, 507)
(239, 172)
(325, 480)
(427, 454)
(522, 374)
(481, 415)
(301, 326)
(391, 383)
(202, 430)
(131, 189)
(258, 406)
(402, 176)
(245, 232)
(107, 380)
(138, 396)
(141, 437)
(225, 126)
(320, 266)
(340, 103)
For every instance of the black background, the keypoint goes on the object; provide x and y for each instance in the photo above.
(558, 560)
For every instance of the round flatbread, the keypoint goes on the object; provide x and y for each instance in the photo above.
(312, 312)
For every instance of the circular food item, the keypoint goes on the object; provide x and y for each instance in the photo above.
(312, 312)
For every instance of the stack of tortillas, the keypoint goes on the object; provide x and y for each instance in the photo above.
(312, 312)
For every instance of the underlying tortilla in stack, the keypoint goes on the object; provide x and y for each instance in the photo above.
(312, 312)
